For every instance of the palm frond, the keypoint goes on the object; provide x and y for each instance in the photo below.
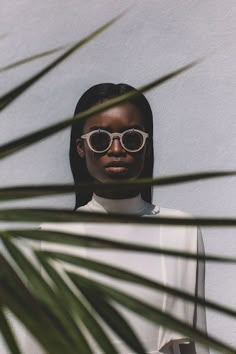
(32, 312)
(22, 192)
(95, 242)
(64, 215)
(42, 291)
(128, 276)
(151, 313)
(10, 96)
(89, 288)
(38, 135)
(78, 307)
(7, 334)
(114, 320)
(34, 57)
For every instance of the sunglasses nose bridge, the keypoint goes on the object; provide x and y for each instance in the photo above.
(116, 145)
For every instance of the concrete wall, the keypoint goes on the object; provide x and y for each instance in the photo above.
(194, 114)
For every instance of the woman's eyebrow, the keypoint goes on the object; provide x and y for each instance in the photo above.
(95, 127)
(108, 128)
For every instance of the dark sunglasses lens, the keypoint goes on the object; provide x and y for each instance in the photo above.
(132, 140)
(99, 141)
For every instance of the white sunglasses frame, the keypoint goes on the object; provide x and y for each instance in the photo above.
(112, 136)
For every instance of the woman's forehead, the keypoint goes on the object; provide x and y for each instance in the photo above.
(117, 117)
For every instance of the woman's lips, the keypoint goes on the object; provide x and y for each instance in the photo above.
(116, 167)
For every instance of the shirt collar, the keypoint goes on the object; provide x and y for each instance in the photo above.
(135, 205)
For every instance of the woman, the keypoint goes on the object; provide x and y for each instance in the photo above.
(117, 144)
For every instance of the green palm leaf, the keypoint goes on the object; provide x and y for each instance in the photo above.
(122, 274)
(78, 307)
(33, 313)
(43, 291)
(91, 265)
(149, 312)
(7, 334)
(13, 192)
(29, 139)
(113, 319)
(33, 57)
(101, 303)
(10, 96)
(91, 241)
(64, 215)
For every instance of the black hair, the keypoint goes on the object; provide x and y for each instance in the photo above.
(98, 94)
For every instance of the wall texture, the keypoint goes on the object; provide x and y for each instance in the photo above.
(194, 114)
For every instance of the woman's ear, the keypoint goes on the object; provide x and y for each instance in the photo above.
(80, 147)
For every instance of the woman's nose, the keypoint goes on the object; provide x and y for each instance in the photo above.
(116, 147)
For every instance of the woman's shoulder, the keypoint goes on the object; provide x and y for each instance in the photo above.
(181, 236)
(155, 209)
(174, 212)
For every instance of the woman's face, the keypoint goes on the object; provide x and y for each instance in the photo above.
(116, 163)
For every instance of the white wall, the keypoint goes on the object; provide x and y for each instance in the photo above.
(194, 114)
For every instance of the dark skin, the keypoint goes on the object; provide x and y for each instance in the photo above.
(116, 163)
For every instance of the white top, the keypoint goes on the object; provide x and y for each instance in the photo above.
(179, 273)
(172, 271)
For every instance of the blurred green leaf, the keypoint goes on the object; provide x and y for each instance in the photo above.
(122, 274)
(43, 291)
(29, 139)
(91, 241)
(64, 215)
(113, 319)
(35, 315)
(20, 192)
(34, 57)
(151, 313)
(79, 308)
(7, 334)
(10, 96)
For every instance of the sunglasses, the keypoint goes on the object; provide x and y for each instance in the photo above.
(132, 140)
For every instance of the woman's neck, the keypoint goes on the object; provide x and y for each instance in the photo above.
(118, 194)
(129, 205)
